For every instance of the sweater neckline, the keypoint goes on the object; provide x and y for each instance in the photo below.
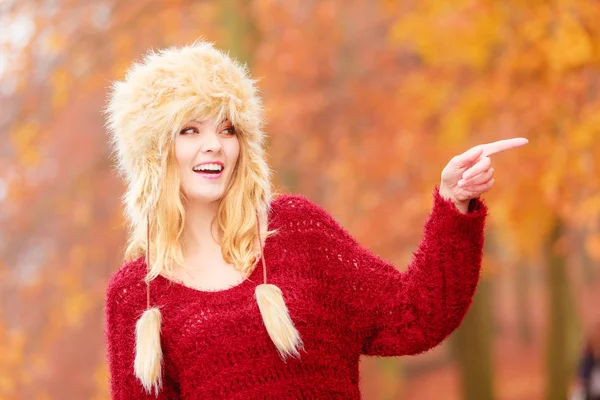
(252, 280)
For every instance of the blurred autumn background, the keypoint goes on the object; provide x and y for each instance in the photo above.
(367, 101)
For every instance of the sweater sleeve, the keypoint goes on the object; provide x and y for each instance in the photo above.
(392, 313)
(125, 300)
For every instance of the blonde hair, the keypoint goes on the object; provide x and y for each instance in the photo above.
(245, 195)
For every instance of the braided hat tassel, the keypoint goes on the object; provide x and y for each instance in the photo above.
(148, 352)
(275, 314)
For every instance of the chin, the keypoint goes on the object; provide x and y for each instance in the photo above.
(199, 198)
(205, 196)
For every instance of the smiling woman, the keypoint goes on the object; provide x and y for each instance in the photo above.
(177, 113)
(186, 125)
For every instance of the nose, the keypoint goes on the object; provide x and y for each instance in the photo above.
(211, 143)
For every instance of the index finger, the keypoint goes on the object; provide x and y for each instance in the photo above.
(503, 145)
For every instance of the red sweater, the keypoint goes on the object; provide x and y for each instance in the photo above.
(344, 301)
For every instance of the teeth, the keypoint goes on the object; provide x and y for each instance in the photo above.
(208, 167)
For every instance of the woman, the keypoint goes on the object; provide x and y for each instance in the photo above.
(586, 385)
(229, 292)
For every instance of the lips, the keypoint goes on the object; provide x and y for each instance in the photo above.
(210, 175)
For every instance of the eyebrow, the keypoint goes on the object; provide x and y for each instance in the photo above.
(202, 122)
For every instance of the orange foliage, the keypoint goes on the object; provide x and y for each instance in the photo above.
(366, 103)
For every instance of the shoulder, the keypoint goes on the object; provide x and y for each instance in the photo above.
(291, 200)
(298, 211)
(295, 208)
(127, 282)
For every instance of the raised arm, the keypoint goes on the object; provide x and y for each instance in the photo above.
(388, 312)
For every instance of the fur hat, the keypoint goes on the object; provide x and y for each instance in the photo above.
(145, 112)
(160, 94)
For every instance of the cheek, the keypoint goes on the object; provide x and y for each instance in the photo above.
(232, 149)
(182, 153)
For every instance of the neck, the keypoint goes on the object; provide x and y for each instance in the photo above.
(197, 237)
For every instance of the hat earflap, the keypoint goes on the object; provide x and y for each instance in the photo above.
(148, 352)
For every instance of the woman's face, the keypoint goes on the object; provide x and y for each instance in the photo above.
(207, 153)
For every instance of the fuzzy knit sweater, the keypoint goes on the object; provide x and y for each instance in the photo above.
(344, 300)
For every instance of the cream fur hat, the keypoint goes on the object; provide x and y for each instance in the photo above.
(160, 94)
(145, 113)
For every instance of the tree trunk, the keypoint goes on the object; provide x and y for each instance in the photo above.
(590, 275)
(240, 36)
(471, 345)
(522, 286)
(563, 326)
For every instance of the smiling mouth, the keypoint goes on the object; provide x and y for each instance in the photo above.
(210, 169)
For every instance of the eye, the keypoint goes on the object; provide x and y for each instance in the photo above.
(186, 131)
(230, 131)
